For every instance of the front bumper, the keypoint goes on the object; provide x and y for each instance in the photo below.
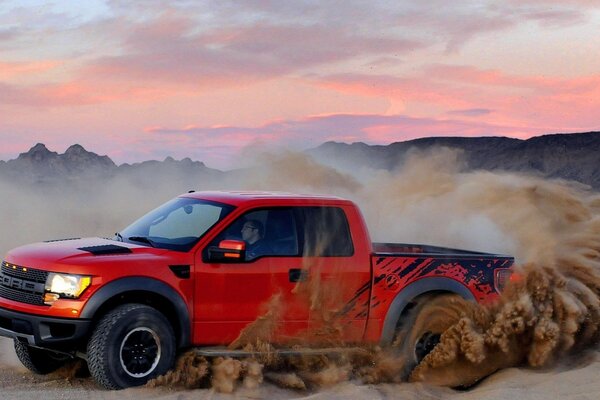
(56, 333)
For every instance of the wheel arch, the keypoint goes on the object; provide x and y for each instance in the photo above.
(147, 291)
(414, 290)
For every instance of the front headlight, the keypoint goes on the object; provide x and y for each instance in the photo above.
(67, 285)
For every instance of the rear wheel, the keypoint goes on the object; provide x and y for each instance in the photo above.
(421, 328)
(131, 345)
(39, 361)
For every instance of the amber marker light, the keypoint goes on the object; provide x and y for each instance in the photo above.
(50, 298)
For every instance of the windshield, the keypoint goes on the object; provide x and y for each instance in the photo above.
(176, 225)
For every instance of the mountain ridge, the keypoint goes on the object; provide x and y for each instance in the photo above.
(40, 165)
(572, 156)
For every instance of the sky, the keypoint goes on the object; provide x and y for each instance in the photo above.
(140, 80)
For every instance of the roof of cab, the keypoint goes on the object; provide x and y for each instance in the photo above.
(240, 197)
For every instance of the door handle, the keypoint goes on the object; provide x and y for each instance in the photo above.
(297, 275)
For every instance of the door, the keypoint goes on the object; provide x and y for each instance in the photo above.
(299, 282)
(254, 294)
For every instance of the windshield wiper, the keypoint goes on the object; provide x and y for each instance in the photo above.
(142, 239)
(119, 236)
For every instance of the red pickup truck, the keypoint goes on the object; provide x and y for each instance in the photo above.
(200, 268)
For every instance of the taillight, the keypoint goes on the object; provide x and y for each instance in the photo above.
(502, 279)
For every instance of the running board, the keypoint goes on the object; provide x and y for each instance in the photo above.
(286, 352)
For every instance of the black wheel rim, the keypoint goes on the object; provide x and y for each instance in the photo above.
(140, 352)
(425, 344)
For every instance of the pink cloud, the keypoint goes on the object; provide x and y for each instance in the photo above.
(562, 102)
(10, 70)
(171, 49)
(556, 17)
(407, 89)
(312, 131)
(537, 101)
(171, 52)
(166, 57)
(471, 112)
(424, 127)
(78, 93)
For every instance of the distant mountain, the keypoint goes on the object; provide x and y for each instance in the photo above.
(574, 156)
(185, 171)
(40, 165)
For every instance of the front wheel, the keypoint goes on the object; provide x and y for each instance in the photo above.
(131, 345)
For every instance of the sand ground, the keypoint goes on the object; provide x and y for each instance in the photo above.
(575, 377)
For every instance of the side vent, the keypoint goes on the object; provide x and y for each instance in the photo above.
(181, 271)
(105, 250)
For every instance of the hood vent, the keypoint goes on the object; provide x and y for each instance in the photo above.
(60, 240)
(106, 249)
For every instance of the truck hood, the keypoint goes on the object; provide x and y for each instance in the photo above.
(52, 255)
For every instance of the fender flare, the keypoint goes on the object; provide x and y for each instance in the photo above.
(144, 284)
(413, 290)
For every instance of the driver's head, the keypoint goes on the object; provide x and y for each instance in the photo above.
(252, 231)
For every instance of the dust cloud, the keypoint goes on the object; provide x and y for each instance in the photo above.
(553, 309)
(551, 227)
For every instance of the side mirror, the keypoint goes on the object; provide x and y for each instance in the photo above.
(228, 251)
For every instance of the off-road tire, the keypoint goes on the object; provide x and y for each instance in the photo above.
(419, 330)
(131, 344)
(39, 361)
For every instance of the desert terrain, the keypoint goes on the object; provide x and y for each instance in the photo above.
(573, 378)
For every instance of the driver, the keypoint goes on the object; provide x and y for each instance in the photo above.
(253, 233)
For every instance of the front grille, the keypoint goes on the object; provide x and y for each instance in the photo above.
(34, 275)
(22, 284)
(21, 297)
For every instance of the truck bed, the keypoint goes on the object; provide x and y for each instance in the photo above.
(408, 249)
(402, 271)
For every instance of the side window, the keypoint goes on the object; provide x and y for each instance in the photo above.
(267, 232)
(325, 232)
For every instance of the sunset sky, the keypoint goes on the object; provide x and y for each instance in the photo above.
(140, 80)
